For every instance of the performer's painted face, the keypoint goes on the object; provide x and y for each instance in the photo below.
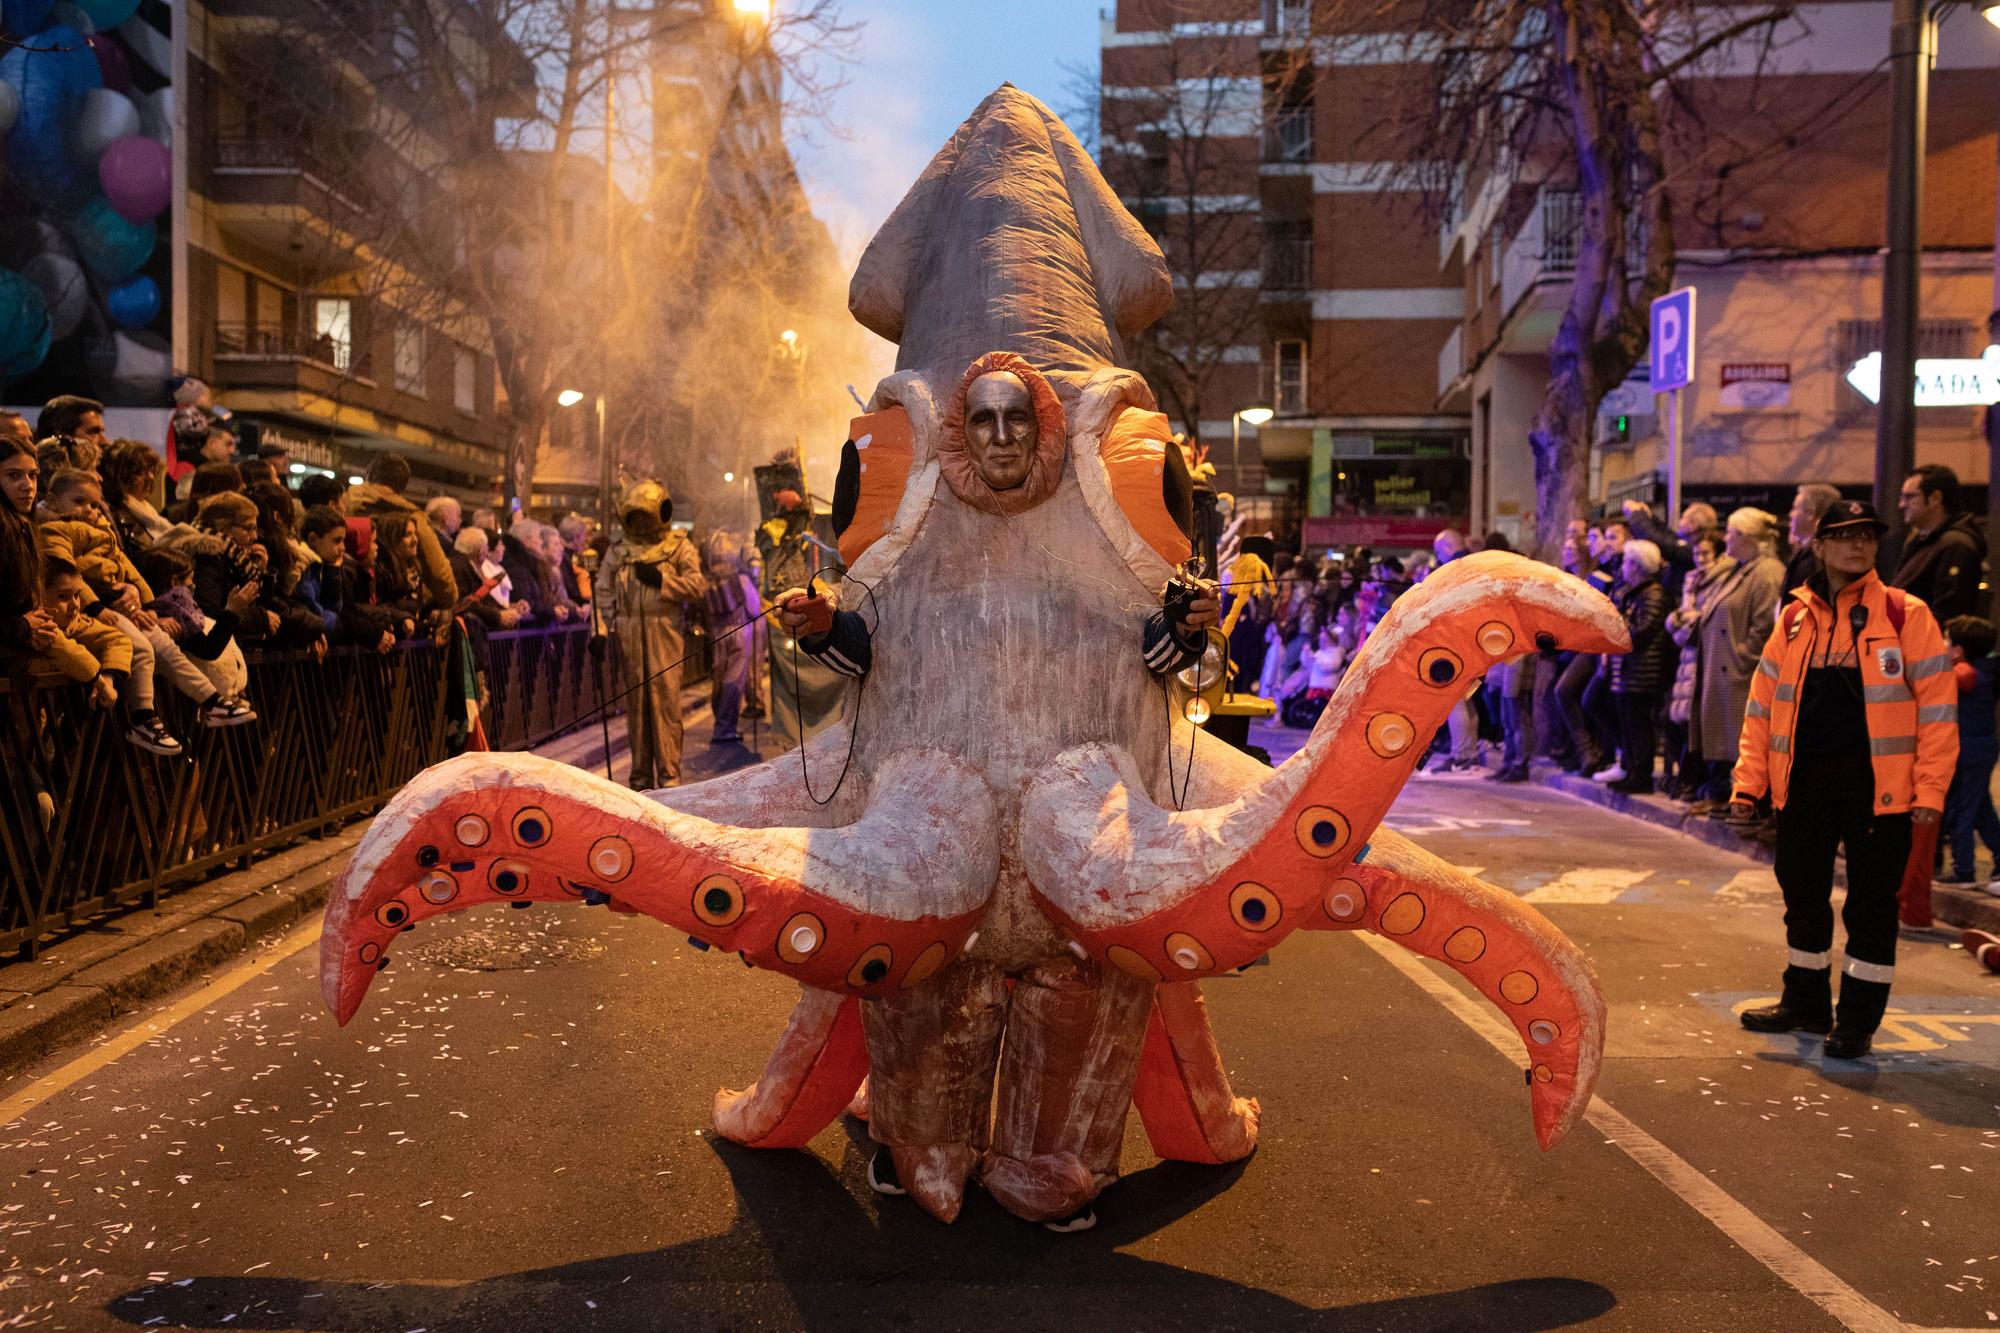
(1000, 429)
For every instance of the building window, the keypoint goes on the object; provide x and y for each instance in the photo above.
(333, 331)
(410, 358)
(465, 382)
(1289, 374)
(1287, 18)
(1288, 256)
(1856, 338)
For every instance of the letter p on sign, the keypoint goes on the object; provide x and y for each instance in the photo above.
(1672, 349)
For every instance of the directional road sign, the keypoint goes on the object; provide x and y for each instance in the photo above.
(1941, 381)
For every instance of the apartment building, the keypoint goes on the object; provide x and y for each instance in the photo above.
(1782, 253)
(1349, 306)
(292, 311)
(1404, 361)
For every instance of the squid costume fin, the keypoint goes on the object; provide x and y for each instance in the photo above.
(810, 1079)
(1523, 965)
(1182, 1093)
(880, 903)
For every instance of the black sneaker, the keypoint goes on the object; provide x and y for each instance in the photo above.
(221, 712)
(1083, 1220)
(152, 735)
(882, 1173)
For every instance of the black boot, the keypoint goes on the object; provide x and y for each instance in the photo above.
(1861, 1007)
(1805, 1006)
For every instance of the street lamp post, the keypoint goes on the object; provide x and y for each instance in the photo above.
(1256, 416)
(1912, 43)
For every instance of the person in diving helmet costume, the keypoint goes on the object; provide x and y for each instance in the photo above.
(648, 576)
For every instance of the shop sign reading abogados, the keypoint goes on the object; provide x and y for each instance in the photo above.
(1750, 386)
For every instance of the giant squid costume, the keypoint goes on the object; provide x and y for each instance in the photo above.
(1002, 919)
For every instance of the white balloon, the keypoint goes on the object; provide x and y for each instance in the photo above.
(63, 288)
(156, 116)
(10, 106)
(102, 118)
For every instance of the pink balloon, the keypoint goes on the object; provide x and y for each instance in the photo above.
(111, 62)
(138, 177)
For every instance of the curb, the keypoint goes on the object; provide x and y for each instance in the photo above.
(85, 982)
(1957, 908)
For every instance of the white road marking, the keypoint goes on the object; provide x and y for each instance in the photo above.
(1590, 884)
(1757, 886)
(1757, 1238)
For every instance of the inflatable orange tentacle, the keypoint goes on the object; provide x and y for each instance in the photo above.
(1527, 968)
(810, 1078)
(1183, 1095)
(1175, 896)
(862, 909)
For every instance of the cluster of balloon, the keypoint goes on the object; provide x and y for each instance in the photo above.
(85, 152)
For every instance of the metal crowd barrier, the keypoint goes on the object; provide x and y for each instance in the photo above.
(90, 822)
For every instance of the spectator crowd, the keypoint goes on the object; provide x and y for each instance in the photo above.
(131, 582)
(1700, 599)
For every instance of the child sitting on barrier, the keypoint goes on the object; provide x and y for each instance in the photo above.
(88, 651)
(208, 643)
(75, 528)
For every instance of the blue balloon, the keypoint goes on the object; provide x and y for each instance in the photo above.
(51, 72)
(111, 245)
(134, 304)
(22, 17)
(24, 324)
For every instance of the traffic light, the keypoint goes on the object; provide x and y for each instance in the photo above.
(1621, 427)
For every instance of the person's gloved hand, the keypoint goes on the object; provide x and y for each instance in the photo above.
(648, 574)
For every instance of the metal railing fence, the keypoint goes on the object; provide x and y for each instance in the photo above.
(89, 822)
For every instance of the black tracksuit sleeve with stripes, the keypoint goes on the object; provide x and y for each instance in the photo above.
(845, 647)
(1165, 650)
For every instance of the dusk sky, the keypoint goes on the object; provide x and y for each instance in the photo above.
(921, 67)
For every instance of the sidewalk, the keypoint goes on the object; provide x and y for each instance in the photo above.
(1957, 908)
(119, 963)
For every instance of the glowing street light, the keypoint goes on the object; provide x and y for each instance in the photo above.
(729, 476)
(569, 398)
(756, 9)
(1256, 416)
(1991, 12)
(790, 337)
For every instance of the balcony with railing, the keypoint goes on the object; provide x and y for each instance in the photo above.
(1537, 263)
(1288, 258)
(1289, 136)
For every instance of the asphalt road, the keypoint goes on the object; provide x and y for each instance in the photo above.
(527, 1147)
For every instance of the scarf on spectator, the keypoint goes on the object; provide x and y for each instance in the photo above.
(148, 517)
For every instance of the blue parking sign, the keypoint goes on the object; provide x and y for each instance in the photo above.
(1672, 349)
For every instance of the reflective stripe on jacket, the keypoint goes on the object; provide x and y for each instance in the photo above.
(1909, 694)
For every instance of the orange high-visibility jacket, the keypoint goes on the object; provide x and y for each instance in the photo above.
(1908, 692)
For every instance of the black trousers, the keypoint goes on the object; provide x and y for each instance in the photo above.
(1640, 741)
(1830, 805)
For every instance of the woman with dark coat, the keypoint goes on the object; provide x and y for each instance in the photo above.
(1639, 678)
(528, 572)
